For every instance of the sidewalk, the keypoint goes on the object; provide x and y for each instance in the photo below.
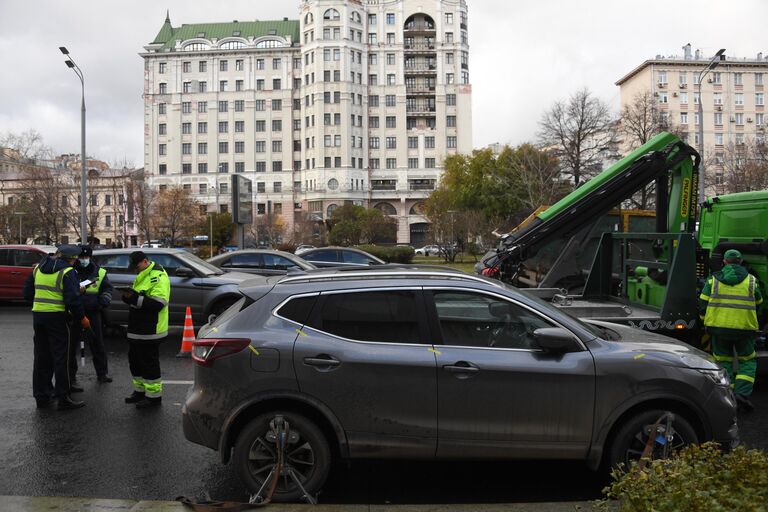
(35, 504)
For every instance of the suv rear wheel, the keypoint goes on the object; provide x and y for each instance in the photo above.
(307, 455)
(632, 438)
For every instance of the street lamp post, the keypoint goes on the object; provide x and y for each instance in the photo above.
(70, 62)
(20, 214)
(720, 55)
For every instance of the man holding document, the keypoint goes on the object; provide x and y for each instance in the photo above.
(147, 326)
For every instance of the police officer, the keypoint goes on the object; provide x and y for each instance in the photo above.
(54, 290)
(147, 327)
(729, 299)
(96, 297)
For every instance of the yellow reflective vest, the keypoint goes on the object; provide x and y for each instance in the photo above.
(49, 291)
(732, 306)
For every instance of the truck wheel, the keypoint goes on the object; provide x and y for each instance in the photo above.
(307, 454)
(631, 438)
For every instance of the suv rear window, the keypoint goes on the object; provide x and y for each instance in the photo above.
(389, 316)
(297, 309)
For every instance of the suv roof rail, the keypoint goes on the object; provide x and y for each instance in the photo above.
(394, 272)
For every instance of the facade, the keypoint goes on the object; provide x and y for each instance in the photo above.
(733, 103)
(46, 194)
(356, 101)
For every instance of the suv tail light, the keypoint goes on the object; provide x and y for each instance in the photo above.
(490, 272)
(206, 351)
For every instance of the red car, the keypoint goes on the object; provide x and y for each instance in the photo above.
(16, 264)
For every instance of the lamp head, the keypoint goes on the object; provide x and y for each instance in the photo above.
(69, 63)
(63, 50)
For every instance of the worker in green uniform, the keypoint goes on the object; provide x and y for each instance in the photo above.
(729, 303)
(147, 326)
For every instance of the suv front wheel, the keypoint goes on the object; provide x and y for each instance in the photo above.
(633, 436)
(306, 455)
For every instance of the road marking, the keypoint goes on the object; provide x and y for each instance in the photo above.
(180, 382)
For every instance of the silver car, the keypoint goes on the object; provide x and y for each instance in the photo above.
(263, 262)
(424, 364)
(194, 283)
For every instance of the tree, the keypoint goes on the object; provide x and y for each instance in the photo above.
(539, 180)
(351, 225)
(376, 228)
(744, 167)
(222, 225)
(141, 203)
(176, 214)
(29, 144)
(580, 132)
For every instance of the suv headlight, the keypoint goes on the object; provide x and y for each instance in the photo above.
(719, 377)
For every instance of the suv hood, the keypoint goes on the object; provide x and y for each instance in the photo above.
(649, 346)
(233, 277)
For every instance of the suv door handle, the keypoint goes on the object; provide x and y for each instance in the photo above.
(461, 367)
(15, 273)
(321, 361)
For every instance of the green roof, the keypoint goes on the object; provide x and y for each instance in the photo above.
(168, 35)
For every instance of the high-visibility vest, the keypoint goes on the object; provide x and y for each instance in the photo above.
(732, 306)
(49, 291)
(94, 288)
(154, 282)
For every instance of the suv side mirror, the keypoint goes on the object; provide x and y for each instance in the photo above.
(184, 272)
(554, 339)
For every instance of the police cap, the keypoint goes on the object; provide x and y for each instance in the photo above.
(136, 258)
(69, 250)
(732, 255)
(86, 251)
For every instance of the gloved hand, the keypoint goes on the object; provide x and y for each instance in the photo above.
(85, 323)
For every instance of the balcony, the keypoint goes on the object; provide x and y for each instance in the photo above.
(420, 109)
(420, 68)
(420, 46)
(383, 185)
(417, 185)
(420, 89)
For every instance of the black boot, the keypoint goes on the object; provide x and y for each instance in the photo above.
(104, 378)
(75, 389)
(66, 403)
(135, 397)
(744, 404)
(149, 403)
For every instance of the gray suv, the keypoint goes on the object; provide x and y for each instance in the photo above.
(422, 364)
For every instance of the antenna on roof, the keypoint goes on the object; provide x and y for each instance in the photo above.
(167, 16)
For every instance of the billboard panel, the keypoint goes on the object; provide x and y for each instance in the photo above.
(242, 200)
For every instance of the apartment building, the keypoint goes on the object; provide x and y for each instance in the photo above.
(732, 98)
(356, 101)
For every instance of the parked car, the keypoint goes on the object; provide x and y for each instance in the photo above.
(263, 262)
(303, 247)
(428, 250)
(349, 362)
(16, 264)
(194, 283)
(339, 257)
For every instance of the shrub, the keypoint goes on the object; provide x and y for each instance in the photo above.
(287, 247)
(390, 254)
(696, 478)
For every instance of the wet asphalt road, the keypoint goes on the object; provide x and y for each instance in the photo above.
(111, 450)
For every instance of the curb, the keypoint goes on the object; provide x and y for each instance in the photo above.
(64, 504)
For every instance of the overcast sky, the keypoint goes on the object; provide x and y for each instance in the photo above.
(523, 56)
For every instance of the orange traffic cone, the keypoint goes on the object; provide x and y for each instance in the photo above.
(189, 336)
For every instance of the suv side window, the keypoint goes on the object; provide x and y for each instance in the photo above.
(476, 320)
(168, 262)
(5, 257)
(113, 263)
(27, 258)
(249, 260)
(389, 316)
(327, 255)
(297, 309)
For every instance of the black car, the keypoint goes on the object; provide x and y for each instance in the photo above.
(264, 262)
(339, 257)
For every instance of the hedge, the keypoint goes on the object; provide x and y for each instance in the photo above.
(389, 254)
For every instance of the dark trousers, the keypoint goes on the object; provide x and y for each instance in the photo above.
(52, 342)
(144, 362)
(94, 341)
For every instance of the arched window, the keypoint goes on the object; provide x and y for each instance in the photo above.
(331, 209)
(333, 184)
(355, 17)
(269, 43)
(232, 45)
(309, 19)
(386, 209)
(331, 15)
(418, 209)
(195, 47)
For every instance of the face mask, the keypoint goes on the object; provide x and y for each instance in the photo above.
(84, 262)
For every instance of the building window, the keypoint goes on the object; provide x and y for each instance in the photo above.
(429, 142)
(451, 142)
(186, 168)
(277, 166)
(372, 38)
(260, 105)
(223, 167)
(202, 107)
(449, 38)
(759, 119)
(186, 87)
(739, 118)
(717, 78)
(223, 147)
(261, 146)
(683, 117)
(277, 146)
(239, 105)
(202, 66)
(161, 108)
(450, 121)
(661, 77)
(373, 101)
(203, 188)
(162, 149)
(738, 98)
(186, 107)
(663, 98)
(223, 106)
(186, 148)
(202, 168)
(449, 18)
(162, 170)
(239, 146)
(202, 127)
(413, 163)
(718, 139)
(391, 142)
(759, 98)
(372, 19)
(683, 98)
(161, 68)
(277, 104)
(224, 188)
(223, 65)
(429, 163)
(390, 38)
(223, 126)
(202, 148)
(261, 125)
(450, 100)
(239, 65)
(163, 88)
(738, 79)
(161, 129)
(391, 100)
(239, 126)
(758, 78)
(391, 163)
(186, 128)
(276, 83)
(239, 166)
(277, 186)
